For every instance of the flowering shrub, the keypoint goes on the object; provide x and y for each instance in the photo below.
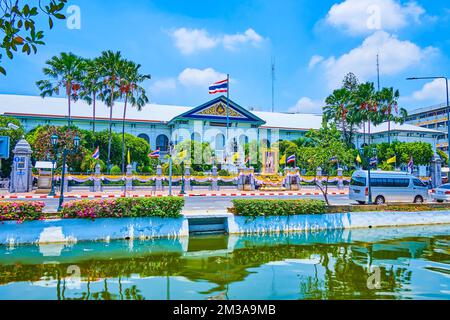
(21, 210)
(124, 207)
(265, 207)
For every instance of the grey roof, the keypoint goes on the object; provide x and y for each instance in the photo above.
(57, 107)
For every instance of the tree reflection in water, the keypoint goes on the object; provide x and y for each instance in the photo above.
(337, 270)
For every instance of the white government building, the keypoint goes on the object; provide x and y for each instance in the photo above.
(159, 124)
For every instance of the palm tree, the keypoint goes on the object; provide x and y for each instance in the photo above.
(64, 71)
(366, 100)
(110, 69)
(389, 100)
(338, 108)
(132, 92)
(91, 85)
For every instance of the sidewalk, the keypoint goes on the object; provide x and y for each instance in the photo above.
(306, 191)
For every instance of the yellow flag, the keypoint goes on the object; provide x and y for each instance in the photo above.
(358, 159)
(392, 160)
(129, 157)
(283, 159)
(182, 155)
(235, 157)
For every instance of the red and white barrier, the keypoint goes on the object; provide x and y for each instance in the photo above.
(107, 196)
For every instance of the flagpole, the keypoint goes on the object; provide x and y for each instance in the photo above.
(228, 104)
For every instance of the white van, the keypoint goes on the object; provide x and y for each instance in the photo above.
(387, 186)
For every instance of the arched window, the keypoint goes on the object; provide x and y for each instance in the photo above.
(195, 136)
(144, 136)
(243, 140)
(220, 142)
(265, 143)
(162, 143)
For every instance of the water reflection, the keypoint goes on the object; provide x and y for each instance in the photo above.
(411, 263)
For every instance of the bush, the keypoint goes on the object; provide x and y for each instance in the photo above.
(21, 210)
(115, 170)
(265, 207)
(224, 173)
(167, 207)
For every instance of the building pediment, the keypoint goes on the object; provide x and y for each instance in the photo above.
(216, 110)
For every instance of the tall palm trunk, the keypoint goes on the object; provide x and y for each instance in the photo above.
(110, 127)
(93, 112)
(123, 133)
(68, 93)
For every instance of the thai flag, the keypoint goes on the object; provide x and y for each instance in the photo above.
(411, 165)
(96, 154)
(373, 161)
(291, 159)
(221, 86)
(155, 154)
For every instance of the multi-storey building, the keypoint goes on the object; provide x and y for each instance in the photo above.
(435, 118)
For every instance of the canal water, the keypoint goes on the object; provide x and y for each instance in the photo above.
(388, 263)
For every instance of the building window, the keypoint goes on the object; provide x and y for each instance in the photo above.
(220, 142)
(162, 143)
(243, 140)
(195, 136)
(145, 137)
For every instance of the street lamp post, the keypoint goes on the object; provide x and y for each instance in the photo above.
(54, 141)
(447, 107)
(182, 178)
(170, 167)
(65, 153)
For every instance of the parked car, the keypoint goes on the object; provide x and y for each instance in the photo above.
(387, 186)
(441, 193)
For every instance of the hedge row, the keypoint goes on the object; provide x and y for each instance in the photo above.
(265, 207)
(21, 210)
(168, 207)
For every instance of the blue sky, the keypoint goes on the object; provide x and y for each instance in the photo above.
(185, 45)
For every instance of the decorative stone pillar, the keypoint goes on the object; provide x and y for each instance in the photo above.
(97, 180)
(214, 182)
(319, 172)
(187, 178)
(21, 174)
(241, 177)
(436, 171)
(287, 179)
(158, 182)
(340, 181)
(251, 174)
(129, 178)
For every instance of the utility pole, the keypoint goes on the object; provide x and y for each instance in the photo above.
(273, 84)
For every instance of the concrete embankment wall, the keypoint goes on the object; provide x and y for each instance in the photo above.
(74, 230)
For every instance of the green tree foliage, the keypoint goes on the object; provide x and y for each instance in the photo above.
(14, 136)
(327, 152)
(18, 24)
(39, 139)
(443, 155)
(199, 154)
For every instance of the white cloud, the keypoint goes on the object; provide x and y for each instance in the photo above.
(197, 77)
(191, 40)
(230, 42)
(194, 40)
(364, 16)
(163, 85)
(315, 59)
(395, 56)
(307, 105)
(433, 91)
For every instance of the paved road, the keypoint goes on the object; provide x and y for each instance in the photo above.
(212, 203)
